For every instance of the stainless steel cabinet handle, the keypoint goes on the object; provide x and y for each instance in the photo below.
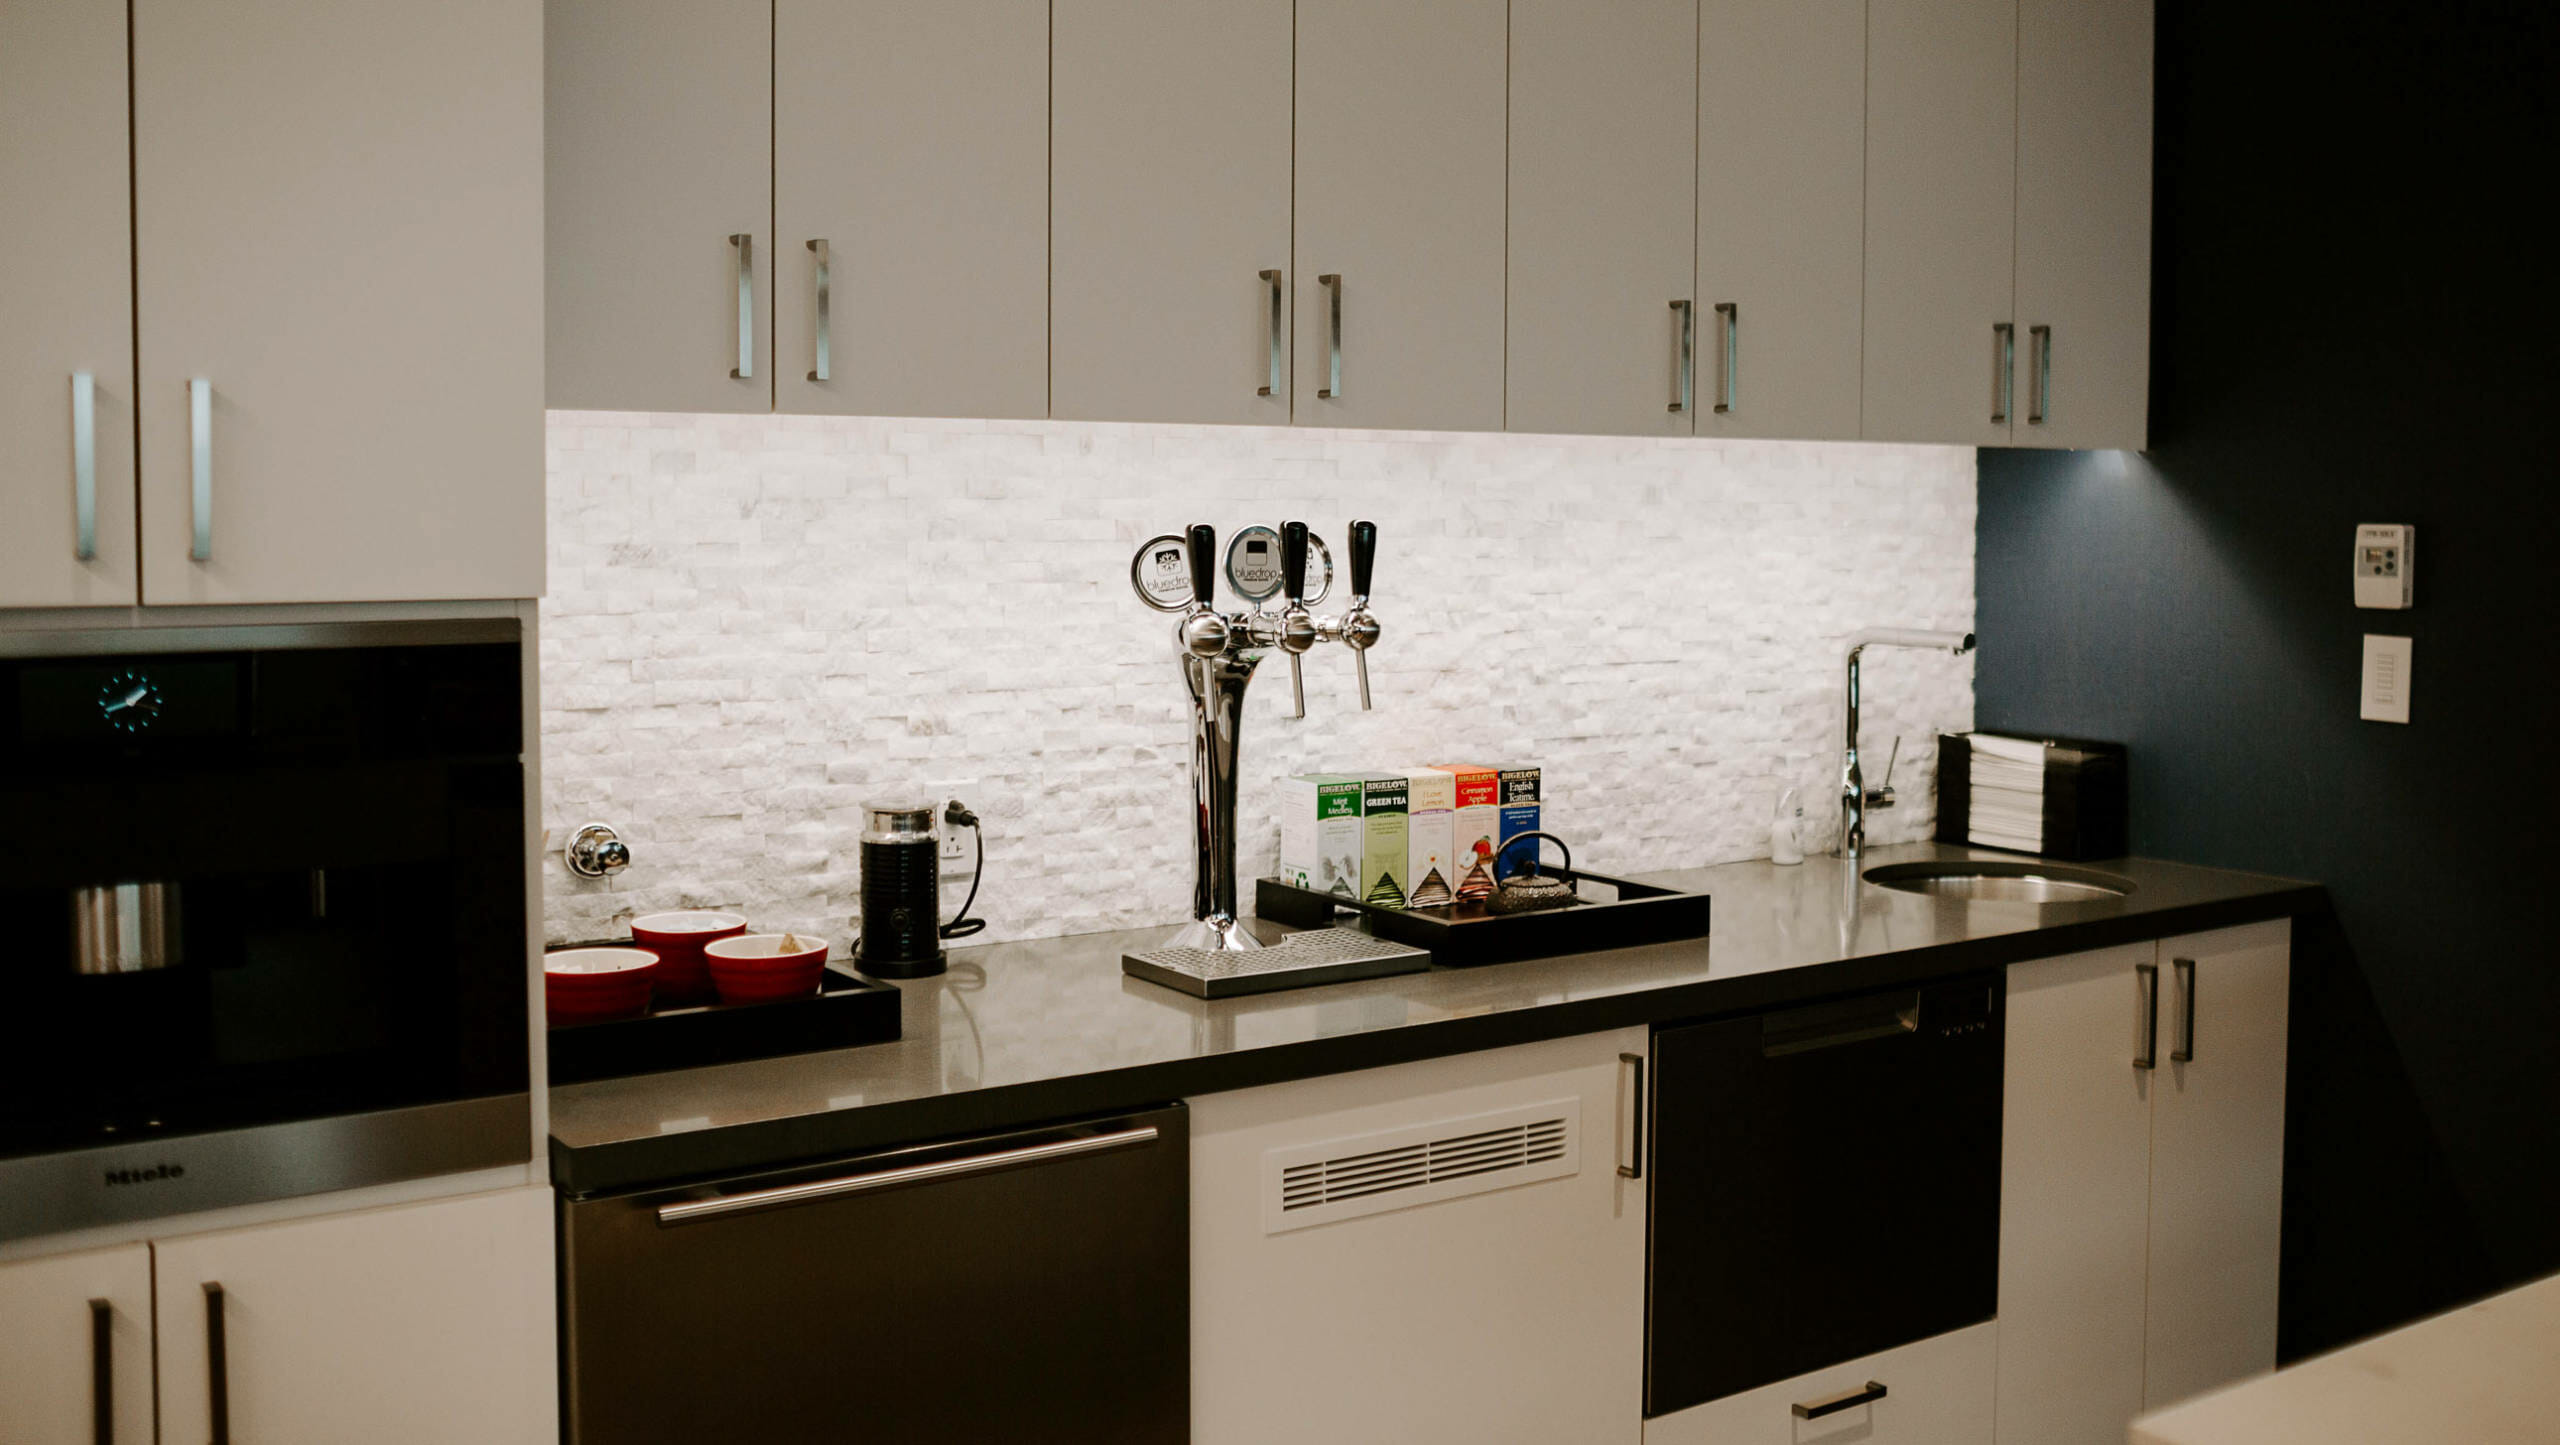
(1731, 314)
(1332, 389)
(2149, 974)
(217, 1365)
(1279, 320)
(2004, 364)
(102, 1371)
(84, 464)
(1834, 1404)
(1634, 1169)
(746, 367)
(686, 1210)
(2040, 364)
(2185, 1052)
(200, 445)
(1684, 351)
(821, 371)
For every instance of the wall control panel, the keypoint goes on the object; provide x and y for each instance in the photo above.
(2386, 556)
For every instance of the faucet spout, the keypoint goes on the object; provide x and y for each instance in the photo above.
(1855, 798)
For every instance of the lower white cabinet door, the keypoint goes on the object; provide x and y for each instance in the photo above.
(2075, 1196)
(427, 1323)
(68, 1325)
(1434, 1252)
(2217, 1160)
(1935, 1391)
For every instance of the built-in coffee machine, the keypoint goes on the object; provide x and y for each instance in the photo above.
(265, 892)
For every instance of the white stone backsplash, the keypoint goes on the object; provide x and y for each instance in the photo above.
(758, 623)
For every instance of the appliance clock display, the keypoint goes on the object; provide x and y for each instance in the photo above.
(129, 702)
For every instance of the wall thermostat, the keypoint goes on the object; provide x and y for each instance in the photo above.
(2386, 557)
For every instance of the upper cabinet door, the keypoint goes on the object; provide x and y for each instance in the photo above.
(340, 297)
(2217, 1160)
(2084, 222)
(1169, 210)
(660, 190)
(1400, 181)
(1942, 358)
(911, 203)
(66, 307)
(1781, 205)
(421, 1324)
(1601, 187)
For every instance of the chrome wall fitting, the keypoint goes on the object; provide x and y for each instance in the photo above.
(596, 851)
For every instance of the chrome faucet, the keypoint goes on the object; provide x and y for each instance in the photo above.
(1855, 797)
(1219, 652)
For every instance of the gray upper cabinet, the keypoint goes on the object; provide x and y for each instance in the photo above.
(1941, 339)
(66, 307)
(1400, 198)
(2084, 223)
(338, 287)
(1169, 210)
(1602, 182)
(659, 183)
(1781, 216)
(911, 207)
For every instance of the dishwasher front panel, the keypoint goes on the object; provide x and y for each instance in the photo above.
(1826, 1185)
(1033, 1285)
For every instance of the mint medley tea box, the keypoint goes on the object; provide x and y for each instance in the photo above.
(1385, 862)
(1431, 796)
(1321, 839)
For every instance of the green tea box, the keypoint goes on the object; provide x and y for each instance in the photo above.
(1431, 827)
(1321, 841)
(1385, 863)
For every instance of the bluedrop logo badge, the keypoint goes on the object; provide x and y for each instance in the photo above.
(150, 1174)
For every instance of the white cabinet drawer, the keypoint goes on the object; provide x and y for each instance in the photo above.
(1937, 1392)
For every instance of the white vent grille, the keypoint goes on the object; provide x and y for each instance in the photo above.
(1420, 1164)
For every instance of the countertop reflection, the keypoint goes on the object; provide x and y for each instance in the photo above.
(1017, 1032)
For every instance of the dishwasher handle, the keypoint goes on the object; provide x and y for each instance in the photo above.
(686, 1211)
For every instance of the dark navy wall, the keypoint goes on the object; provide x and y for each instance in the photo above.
(2354, 321)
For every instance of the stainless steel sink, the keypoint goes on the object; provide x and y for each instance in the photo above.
(1997, 882)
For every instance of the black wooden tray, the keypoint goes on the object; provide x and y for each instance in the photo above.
(1463, 934)
(846, 1010)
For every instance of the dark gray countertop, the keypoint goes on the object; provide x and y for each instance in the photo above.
(1043, 1029)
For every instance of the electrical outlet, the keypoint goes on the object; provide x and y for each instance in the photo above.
(958, 854)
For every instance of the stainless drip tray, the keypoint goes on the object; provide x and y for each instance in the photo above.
(1993, 882)
(1297, 960)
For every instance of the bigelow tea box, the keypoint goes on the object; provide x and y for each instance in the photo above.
(1384, 860)
(1475, 827)
(1430, 837)
(1320, 835)
(1517, 792)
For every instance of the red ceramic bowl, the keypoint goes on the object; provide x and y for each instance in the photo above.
(584, 985)
(754, 968)
(677, 939)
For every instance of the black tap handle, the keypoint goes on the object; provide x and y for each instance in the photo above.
(1364, 551)
(1293, 560)
(1204, 565)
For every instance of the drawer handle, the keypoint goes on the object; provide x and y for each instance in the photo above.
(217, 1366)
(1279, 324)
(2149, 974)
(1848, 1400)
(1634, 1169)
(2040, 360)
(2185, 1052)
(1684, 352)
(687, 1210)
(1731, 313)
(200, 464)
(102, 1371)
(2004, 370)
(1331, 281)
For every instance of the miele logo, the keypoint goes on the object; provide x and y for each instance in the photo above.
(151, 1175)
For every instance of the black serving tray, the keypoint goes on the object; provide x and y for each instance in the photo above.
(846, 1010)
(1463, 934)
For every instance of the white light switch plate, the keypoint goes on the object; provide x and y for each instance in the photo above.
(2386, 679)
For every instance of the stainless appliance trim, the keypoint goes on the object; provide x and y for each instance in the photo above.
(685, 1211)
(259, 637)
(189, 1173)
